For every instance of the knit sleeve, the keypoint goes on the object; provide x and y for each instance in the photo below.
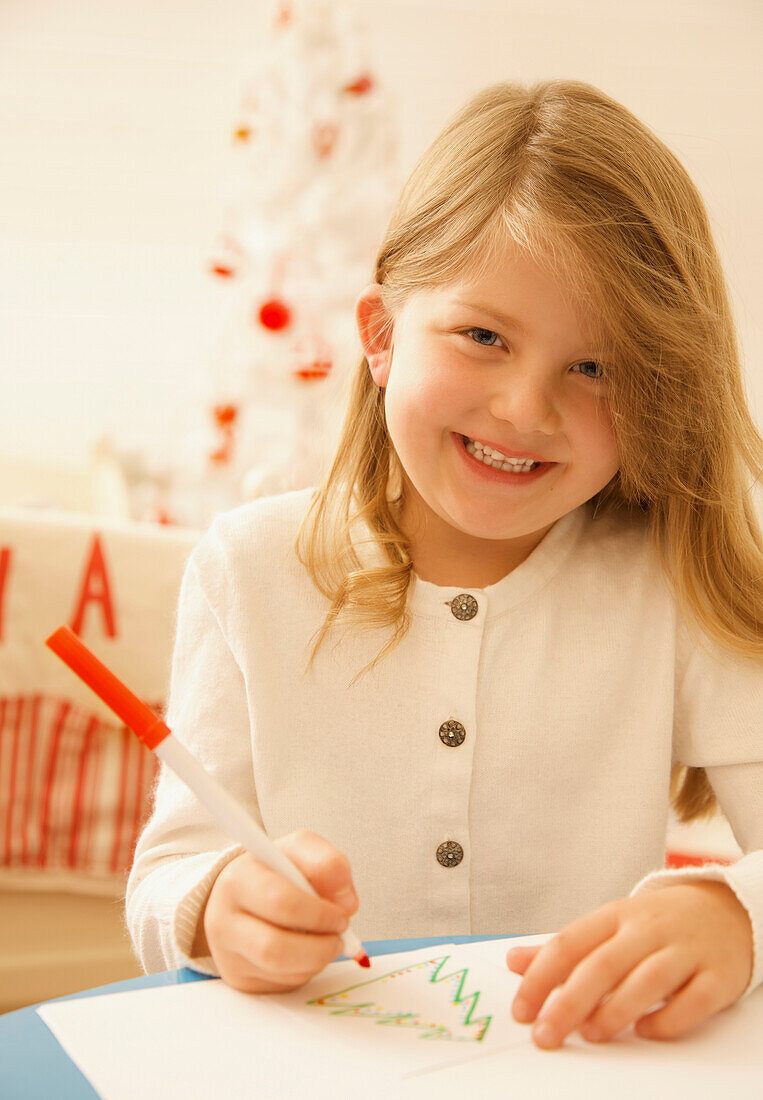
(718, 716)
(718, 725)
(182, 849)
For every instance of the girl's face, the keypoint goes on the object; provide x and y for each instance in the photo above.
(528, 387)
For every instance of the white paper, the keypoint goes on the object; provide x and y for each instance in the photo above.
(396, 1029)
(414, 1011)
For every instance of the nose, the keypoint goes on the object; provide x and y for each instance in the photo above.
(526, 400)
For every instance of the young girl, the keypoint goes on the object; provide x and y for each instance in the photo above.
(463, 681)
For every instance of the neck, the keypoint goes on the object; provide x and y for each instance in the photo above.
(447, 557)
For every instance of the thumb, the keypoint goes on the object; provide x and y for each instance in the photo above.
(326, 868)
(347, 899)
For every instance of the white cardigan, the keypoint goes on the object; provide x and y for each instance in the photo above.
(569, 690)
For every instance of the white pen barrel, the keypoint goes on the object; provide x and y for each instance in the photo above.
(228, 812)
(235, 819)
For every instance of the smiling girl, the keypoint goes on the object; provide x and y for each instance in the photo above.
(464, 679)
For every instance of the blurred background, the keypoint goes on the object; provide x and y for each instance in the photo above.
(191, 200)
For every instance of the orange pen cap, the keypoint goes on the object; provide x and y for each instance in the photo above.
(117, 696)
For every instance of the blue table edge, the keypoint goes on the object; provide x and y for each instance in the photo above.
(49, 1060)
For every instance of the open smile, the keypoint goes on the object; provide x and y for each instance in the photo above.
(495, 473)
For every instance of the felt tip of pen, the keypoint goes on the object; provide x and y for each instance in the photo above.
(362, 958)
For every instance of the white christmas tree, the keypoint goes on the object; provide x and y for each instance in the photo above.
(314, 184)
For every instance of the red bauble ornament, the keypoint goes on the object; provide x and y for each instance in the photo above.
(224, 414)
(274, 314)
(360, 86)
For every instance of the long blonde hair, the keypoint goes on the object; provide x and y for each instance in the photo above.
(587, 190)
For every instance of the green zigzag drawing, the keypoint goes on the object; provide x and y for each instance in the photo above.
(369, 1009)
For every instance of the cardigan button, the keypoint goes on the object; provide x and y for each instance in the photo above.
(464, 606)
(452, 733)
(450, 854)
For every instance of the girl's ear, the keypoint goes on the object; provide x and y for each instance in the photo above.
(375, 331)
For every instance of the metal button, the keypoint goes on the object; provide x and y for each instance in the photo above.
(464, 606)
(452, 733)
(450, 854)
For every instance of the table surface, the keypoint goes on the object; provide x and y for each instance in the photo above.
(33, 1065)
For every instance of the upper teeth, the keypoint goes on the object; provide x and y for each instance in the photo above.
(492, 457)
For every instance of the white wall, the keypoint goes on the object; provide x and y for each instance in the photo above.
(114, 139)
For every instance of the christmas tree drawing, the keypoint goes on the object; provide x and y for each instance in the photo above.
(380, 1000)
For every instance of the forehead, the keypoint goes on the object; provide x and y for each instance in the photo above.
(521, 296)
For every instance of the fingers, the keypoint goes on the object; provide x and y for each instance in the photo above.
(593, 979)
(277, 900)
(653, 980)
(519, 958)
(699, 999)
(281, 957)
(557, 959)
(660, 961)
(263, 893)
(264, 932)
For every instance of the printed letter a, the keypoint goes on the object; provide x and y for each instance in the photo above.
(95, 588)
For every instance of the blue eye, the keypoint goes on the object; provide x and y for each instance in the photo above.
(596, 366)
(489, 332)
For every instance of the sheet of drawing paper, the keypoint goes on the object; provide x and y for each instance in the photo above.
(414, 1011)
(203, 1038)
(200, 1040)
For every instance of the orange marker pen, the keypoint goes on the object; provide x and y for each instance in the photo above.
(156, 736)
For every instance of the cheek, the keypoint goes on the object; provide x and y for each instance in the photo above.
(599, 432)
(444, 392)
(417, 398)
(404, 403)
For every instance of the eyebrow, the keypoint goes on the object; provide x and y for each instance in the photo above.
(502, 318)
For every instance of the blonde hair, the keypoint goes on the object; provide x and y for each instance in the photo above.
(589, 192)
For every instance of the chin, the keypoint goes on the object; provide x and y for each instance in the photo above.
(480, 528)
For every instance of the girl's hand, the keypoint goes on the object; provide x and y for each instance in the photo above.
(689, 945)
(267, 935)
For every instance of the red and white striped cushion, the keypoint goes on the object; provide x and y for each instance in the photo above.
(74, 784)
(74, 790)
